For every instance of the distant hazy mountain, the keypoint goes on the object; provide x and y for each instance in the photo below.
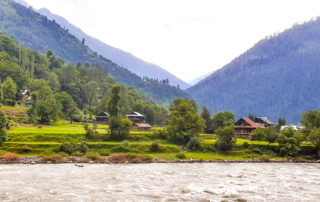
(120, 57)
(37, 32)
(278, 77)
(196, 80)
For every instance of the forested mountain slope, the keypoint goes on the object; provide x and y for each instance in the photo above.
(35, 31)
(278, 77)
(120, 57)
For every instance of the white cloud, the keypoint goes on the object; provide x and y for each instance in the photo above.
(187, 37)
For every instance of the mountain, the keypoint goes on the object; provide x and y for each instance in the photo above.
(278, 77)
(120, 57)
(37, 32)
(196, 80)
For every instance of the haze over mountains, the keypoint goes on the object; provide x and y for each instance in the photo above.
(120, 57)
(278, 77)
(37, 32)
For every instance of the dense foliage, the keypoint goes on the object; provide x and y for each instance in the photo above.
(59, 90)
(185, 122)
(3, 134)
(21, 23)
(278, 77)
(226, 138)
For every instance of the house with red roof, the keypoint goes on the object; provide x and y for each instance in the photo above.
(244, 126)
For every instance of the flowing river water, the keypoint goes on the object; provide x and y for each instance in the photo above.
(161, 182)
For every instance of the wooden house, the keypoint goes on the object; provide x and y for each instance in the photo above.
(142, 126)
(244, 126)
(102, 117)
(135, 117)
(263, 121)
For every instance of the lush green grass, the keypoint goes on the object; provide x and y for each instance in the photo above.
(32, 140)
(16, 108)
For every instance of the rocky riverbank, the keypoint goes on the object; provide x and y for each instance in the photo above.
(110, 160)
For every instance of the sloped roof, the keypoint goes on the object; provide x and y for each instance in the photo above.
(135, 114)
(266, 120)
(251, 123)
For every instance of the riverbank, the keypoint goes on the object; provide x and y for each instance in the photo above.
(112, 160)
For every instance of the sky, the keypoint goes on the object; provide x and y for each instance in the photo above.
(189, 38)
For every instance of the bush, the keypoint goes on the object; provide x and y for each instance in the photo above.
(91, 133)
(68, 148)
(161, 134)
(193, 144)
(145, 158)
(10, 102)
(118, 158)
(226, 138)
(180, 155)
(83, 147)
(53, 158)
(245, 144)
(154, 147)
(77, 154)
(256, 151)
(93, 156)
(265, 158)
(10, 157)
(26, 149)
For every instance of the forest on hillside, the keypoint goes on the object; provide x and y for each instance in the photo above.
(37, 32)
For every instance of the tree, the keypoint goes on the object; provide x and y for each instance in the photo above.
(9, 89)
(258, 134)
(311, 119)
(3, 121)
(288, 144)
(69, 107)
(205, 114)
(120, 128)
(47, 110)
(113, 103)
(271, 135)
(314, 138)
(251, 116)
(222, 119)
(281, 122)
(184, 122)
(91, 132)
(226, 138)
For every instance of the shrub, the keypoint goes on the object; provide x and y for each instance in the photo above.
(154, 147)
(10, 157)
(245, 144)
(265, 158)
(53, 158)
(226, 138)
(193, 144)
(68, 148)
(26, 148)
(10, 102)
(91, 133)
(118, 158)
(93, 156)
(180, 155)
(256, 151)
(161, 134)
(145, 158)
(77, 154)
(83, 148)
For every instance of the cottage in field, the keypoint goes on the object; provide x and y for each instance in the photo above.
(102, 117)
(135, 117)
(263, 121)
(142, 126)
(244, 126)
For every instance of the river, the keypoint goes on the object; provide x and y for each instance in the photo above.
(161, 182)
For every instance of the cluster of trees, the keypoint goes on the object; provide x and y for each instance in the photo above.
(219, 120)
(3, 121)
(61, 90)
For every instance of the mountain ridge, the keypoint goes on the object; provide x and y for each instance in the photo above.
(277, 77)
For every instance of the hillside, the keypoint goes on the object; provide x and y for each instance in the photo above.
(127, 60)
(278, 77)
(37, 32)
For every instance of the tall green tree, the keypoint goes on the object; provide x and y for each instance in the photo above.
(289, 145)
(223, 119)
(184, 122)
(205, 114)
(69, 107)
(226, 138)
(9, 89)
(3, 121)
(113, 103)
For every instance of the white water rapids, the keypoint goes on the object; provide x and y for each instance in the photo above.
(161, 182)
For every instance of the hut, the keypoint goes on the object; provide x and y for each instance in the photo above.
(244, 126)
(102, 117)
(142, 126)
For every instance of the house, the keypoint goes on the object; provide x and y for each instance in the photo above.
(142, 126)
(135, 117)
(102, 117)
(264, 121)
(26, 98)
(244, 126)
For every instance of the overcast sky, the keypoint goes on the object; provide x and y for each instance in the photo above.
(189, 38)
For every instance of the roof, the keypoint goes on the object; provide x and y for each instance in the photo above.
(266, 120)
(103, 114)
(251, 123)
(143, 125)
(134, 114)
